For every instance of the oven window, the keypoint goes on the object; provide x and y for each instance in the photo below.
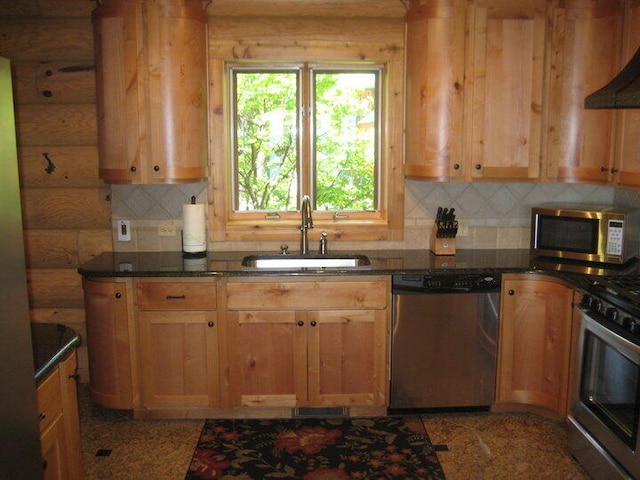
(609, 388)
(568, 234)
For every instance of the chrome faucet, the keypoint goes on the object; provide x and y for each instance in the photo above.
(307, 223)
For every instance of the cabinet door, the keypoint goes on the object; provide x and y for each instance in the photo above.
(152, 116)
(268, 358)
(54, 451)
(179, 358)
(347, 357)
(506, 69)
(534, 342)
(108, 343)
(627, 162)
(69, 397)
(435, 78)
(586, 42)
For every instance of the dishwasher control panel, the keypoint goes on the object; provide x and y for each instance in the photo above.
(444, 283)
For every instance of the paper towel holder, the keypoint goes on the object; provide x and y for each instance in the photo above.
(191, 254)
(197, 250)
(194, 254)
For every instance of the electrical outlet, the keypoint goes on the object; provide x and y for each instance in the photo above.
(124, 231)
(463, 229)
(166, 231)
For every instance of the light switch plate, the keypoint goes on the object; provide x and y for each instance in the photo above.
(124, 231)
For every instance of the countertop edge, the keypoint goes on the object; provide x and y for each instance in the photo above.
(42, 371)
(229, 264)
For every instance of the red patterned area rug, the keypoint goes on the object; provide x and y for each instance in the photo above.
(315, 449)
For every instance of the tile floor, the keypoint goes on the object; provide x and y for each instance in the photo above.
(480, 446)
(507, 446)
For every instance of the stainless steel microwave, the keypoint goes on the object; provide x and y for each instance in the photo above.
(585, 232)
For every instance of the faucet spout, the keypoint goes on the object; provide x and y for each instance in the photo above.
(307, 223)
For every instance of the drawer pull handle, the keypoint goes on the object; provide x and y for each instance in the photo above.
(313, 323)
(512, 292)
(211, 324)
(118, 295)
(300, 323)
(176, 297)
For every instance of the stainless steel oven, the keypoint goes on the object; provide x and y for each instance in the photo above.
(605, 409)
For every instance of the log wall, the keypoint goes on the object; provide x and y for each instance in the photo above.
(66, 210)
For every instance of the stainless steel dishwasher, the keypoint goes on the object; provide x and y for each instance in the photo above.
(444, 341)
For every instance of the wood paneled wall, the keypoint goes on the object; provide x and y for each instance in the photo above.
(66, 210)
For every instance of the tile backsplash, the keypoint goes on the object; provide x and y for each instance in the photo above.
(495, 215)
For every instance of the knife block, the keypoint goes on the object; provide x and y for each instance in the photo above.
(442, 246)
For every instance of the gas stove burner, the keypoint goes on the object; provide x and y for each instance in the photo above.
(621, 317)
(629, 283)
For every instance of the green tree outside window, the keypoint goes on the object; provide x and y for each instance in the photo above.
(269, 163)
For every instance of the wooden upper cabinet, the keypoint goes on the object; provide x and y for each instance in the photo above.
(586, 47)
(504, 91)
(151, 90)
(627, 154)
(435, 77)
(475, 101)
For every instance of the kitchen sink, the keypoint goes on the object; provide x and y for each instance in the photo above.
(335, 260)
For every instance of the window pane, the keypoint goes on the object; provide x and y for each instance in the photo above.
(346, 126)
(266, 170)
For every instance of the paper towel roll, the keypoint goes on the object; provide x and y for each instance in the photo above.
(194, 232)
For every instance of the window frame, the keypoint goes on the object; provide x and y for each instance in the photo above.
(337, 41)
(305, 141)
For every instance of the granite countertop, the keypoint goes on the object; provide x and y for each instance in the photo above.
(52, 343)
(383, 262)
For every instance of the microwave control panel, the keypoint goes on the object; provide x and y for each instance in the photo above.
(614, 237)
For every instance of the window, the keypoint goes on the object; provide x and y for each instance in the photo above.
(300, 66)
(306, 130)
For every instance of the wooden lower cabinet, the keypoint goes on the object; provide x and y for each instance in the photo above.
(308, 343)
(534, 342)
(178, 359)
(59, 423)
(110, 337)
(178, 343)
(246, 346)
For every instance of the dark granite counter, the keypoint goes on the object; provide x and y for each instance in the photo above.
(52, 343)
(383, 262)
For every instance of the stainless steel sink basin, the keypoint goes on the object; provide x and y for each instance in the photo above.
(335, 260)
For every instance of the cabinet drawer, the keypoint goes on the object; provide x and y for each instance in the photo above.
(49, 399)
(176, 296)
(307, 295)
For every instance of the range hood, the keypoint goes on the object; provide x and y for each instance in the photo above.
(621, 92)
